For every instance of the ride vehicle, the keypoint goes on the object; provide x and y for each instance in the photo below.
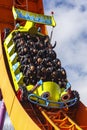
(36, 79)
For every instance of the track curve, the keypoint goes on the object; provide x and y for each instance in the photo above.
(13, 106)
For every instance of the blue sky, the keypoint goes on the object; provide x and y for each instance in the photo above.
(71, 36)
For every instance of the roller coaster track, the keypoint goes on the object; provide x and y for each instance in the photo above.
(50, 119)
(27, 116)
(60, 121)
(29, 112)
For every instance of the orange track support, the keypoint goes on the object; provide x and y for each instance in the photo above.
(6, 19)
(60, 121)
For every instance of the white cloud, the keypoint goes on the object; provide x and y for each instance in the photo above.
(71, 35)
(7, 124)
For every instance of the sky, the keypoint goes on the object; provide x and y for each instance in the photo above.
(71, 36)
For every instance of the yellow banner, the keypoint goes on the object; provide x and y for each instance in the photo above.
(36, 18)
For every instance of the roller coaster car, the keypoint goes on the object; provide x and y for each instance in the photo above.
(47, 94)
(50, 95)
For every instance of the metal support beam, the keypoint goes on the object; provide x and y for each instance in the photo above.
(2, 114)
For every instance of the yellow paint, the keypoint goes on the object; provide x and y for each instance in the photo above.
(50, 121)
(34, 17)
(8, 42)
(52, 88)
(19, 117)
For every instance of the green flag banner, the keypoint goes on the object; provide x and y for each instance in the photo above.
(34, 17)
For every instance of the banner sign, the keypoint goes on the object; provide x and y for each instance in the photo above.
(36, 18)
